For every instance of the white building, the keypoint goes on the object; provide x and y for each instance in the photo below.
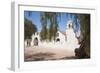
(61, 37)
(66, 38)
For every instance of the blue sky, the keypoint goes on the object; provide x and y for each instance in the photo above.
(62, 23)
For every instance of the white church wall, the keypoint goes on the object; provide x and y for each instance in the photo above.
(70, 43)
(61, 37)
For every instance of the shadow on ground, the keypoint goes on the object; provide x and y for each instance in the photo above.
(44, 57)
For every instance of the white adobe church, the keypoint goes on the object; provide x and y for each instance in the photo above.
(65, 39)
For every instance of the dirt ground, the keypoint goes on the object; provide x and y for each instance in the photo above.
(40, 53)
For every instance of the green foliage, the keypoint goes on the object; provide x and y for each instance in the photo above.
(84, 50)
(29, 28)
(85, 27)
(50, 19)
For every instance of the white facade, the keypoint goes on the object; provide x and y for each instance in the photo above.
(64, 40)
(36, 35)
(61, 36)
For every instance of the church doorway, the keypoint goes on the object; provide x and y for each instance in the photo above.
(57, 40)
(36, 41)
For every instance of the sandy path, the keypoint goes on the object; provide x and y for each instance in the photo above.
(57, 53)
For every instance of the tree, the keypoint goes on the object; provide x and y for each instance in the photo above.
(84, 50)
(43, 32)
(49, 19)
(29, 28)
